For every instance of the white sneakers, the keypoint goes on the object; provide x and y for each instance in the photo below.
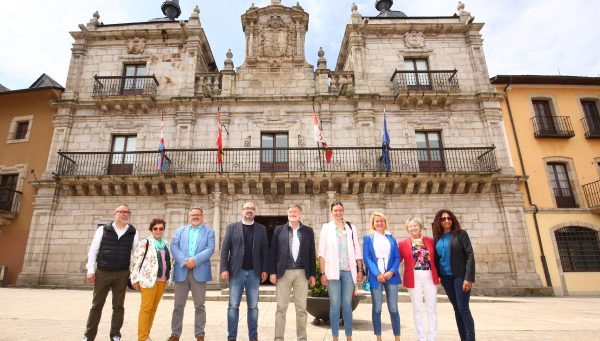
(116, 338)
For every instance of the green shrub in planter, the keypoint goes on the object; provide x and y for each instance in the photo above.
(319, 290)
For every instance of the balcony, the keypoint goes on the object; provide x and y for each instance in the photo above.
(592, 195)
(424, 88)
(124, 86)
(10, 203)
(444, 81)
(341, 82)
(591, 126)
(552, 127)
(289, 160)
(209, 84)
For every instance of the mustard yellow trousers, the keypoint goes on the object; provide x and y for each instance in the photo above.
(150, 300)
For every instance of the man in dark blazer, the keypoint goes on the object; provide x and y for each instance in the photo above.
(244, 265)
(293, 266)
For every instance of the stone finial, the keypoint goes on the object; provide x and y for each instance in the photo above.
(196, 12)
(465, 16)
(94, 21)
(321, 62)
(228, 61)
(355, 17)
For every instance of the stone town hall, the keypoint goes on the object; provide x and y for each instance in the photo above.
(428, 73)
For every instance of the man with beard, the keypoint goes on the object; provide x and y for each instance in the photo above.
(244, 265)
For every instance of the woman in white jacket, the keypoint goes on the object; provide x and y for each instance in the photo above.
(341, 264)
(150, 269)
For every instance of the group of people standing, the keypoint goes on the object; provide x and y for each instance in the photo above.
(117, 256)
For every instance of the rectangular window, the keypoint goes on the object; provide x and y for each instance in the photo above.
(579, 249)
(21, 132)
(121, 161)
(133, 84)
(418, 79)
(592, 118)
(429, 152)
(274, 152)
(561, 186)
(543, 117)
(8, 188)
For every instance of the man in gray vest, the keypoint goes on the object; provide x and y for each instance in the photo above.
(108, 268)
(293, 266)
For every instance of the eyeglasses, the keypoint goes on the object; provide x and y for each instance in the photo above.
(446, 218)
(249, 208)
(124, 212)
(158, 228)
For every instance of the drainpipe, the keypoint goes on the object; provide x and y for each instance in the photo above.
(528, 192)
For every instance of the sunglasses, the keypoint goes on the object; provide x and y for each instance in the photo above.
(446, 218)
(158, 228)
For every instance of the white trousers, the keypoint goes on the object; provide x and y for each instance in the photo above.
(424, 289)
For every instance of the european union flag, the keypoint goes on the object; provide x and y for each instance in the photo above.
(385, 146)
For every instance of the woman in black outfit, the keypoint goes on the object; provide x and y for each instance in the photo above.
(456, 265)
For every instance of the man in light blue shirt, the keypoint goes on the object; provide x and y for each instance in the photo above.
(191, 247)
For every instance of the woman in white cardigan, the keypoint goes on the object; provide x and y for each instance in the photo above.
(150, 268)
(340, 261)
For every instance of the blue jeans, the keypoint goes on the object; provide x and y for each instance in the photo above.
(340, 295)
(391, 294)
(460, 302)
(246, 279)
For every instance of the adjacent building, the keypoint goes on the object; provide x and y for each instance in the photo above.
(424, 78)
(553, 129)
(26, 127)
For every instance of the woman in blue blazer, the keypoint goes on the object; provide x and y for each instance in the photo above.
(381, 257)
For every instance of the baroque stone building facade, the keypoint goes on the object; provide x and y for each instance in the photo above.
(428, 74)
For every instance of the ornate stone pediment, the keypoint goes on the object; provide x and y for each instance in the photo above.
(136, 45)
(414, 40)
(276, 40)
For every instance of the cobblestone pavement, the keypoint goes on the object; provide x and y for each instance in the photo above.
(57, 314)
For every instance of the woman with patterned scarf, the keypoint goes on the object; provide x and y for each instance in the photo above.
(150, 269)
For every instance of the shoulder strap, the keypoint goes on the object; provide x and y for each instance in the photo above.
(145, 252)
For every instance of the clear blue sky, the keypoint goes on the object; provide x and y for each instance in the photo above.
(520, 36)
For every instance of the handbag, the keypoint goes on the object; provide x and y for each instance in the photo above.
(129, 284)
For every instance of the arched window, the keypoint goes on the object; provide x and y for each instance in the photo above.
(579, 249)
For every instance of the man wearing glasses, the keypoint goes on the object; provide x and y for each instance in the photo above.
(244, 265)
(108, 268)
(192, 246)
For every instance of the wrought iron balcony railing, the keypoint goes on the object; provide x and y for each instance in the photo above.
(248, 160)
(591, 125)
(592, 194)
(441, 80)
(552, 126)
(10, 200)
(110, 86)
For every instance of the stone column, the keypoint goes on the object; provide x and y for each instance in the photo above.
(63, 122)
(215, 202)
(38, 242)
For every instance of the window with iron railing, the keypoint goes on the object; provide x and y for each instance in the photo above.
(8, 190)
(122, 160)
(561, 185)
(591, 119)
(579, 249)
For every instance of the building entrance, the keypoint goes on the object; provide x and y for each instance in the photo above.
(270, 222)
